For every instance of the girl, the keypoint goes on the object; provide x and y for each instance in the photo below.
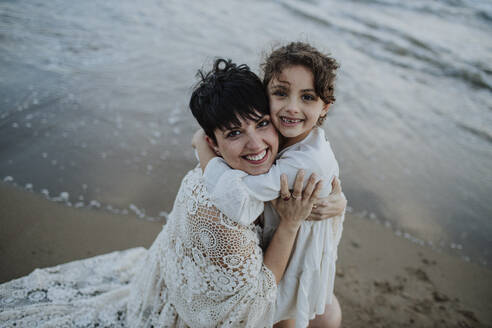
(299, 81)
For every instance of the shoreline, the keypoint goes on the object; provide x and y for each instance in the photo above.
(383, 280)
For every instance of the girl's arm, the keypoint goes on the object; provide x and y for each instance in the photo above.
(241, 196)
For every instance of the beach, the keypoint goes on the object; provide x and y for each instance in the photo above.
(383, 280)
(94, 102)
(95, 133)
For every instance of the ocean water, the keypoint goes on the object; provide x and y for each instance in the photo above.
(94, 102)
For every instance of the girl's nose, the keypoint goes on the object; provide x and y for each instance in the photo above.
(292, 106)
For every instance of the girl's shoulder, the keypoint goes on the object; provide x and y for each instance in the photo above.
(313, 151)
(314, 142)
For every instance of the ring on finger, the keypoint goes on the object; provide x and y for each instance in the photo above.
(296, 197)
(286, 198)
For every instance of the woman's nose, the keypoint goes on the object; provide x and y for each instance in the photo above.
(255, 142)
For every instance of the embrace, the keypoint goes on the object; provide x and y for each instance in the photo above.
(252, 237)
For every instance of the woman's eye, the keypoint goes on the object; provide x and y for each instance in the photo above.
(279, 93)
(308, 97)
(263, 123)
(234, 133)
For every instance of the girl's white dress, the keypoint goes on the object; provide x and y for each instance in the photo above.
(203, 270)
(307, 285)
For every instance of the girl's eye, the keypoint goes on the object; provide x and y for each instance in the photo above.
(234, 133)
(308, 97)
(263, 123)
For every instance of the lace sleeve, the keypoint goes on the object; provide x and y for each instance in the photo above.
(220, 278)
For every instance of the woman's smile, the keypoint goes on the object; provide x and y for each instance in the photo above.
(257, 158)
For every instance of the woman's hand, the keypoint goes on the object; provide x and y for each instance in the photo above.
(331, 206)
(294, 209)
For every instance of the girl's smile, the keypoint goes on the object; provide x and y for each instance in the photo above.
(294, 105)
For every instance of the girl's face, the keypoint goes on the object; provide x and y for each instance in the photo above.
(294, 105)
(251, 147)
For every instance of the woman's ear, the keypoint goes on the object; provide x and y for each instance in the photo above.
(213, 145)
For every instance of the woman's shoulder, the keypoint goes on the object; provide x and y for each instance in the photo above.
(193, 176)
(192, 183)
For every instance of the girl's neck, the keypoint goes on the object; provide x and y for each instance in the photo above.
(287, 142)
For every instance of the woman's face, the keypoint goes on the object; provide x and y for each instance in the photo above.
(250, 147)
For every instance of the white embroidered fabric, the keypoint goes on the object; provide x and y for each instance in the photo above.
(203, 270)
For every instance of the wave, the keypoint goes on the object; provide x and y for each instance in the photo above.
(399, 47)
(482, 134)
(457, 8)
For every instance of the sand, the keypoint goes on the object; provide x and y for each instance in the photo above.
(36, 232)
(387, 281)
(382, 280)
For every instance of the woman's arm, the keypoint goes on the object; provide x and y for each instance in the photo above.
(222, 260)
(292, 210)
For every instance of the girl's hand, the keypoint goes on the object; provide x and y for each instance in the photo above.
(203, 150)
(294, 208)
(331, 206)
(198, 139)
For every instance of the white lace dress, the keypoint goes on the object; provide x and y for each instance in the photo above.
(203, 270)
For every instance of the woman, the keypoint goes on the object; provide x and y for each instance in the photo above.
(203, 269)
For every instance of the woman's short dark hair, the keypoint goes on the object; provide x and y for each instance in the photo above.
(321, 65)
(225, 93)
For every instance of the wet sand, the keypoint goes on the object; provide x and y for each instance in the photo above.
(36, 232)
(387, 281)
(382, 280)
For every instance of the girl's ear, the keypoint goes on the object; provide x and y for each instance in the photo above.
(324, 110)
(213, 145)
